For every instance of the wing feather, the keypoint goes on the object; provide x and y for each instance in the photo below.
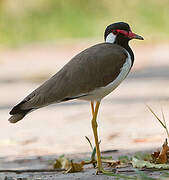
(94, 67)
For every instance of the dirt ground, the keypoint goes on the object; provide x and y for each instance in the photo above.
(125, 124)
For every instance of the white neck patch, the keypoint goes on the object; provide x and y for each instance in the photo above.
(111, 38)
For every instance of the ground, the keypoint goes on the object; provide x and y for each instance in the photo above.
(125, 124)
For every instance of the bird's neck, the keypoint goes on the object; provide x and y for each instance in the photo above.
(111, 38)
(129, 50)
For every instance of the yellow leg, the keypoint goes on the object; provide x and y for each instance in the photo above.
(92, 106)
(94, 126)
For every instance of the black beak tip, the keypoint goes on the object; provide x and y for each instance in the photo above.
(139, 37)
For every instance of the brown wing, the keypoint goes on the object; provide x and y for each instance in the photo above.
(94, 67)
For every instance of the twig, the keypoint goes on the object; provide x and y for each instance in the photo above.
(122, 171)
(110, 151)
(151, 169)
(30, 170)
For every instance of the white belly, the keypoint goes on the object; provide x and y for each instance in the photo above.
(99, 93)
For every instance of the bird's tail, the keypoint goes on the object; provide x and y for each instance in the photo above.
(18, 113)
(16, 117)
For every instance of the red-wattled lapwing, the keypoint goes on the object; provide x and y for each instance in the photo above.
(90, 75)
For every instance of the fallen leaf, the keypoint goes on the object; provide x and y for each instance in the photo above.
(57, 164)
(68, 165)
(136, 163)
(75, 167)
(155, 155)
(115, 164)
(65, 163)
(111, 163)
(161, 157)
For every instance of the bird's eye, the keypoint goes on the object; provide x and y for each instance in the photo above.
(114, 32)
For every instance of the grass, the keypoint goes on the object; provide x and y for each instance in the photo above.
(23, 22)
(162, 122)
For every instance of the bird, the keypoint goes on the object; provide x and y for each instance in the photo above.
(90, 75)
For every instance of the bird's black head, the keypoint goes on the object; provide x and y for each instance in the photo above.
(119, 32)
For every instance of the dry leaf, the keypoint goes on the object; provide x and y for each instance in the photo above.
(161, 157)
(68, 165)
(62, 163)
(74, 167)
(57, 164)
(155, 155)
(111, 163)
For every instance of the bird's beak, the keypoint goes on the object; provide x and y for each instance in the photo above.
(134, 36)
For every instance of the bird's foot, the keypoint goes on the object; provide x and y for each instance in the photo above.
(102, 171)
(92, 161)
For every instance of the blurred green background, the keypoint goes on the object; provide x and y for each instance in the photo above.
(29, 21)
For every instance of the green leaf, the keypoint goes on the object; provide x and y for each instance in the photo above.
(93, 154)
(143, 156)
(141, 163)
(124, 159)
(106, 157)
(89, 142)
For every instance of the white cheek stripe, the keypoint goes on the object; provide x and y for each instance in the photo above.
(98, 94)
(111, 38)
